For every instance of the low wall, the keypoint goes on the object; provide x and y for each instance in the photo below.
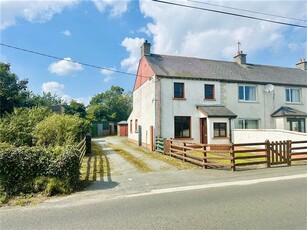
(260, 135)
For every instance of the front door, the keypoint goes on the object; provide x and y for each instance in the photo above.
(203, 131)
(296, 124)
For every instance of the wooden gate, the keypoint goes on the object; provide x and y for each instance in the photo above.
(280, 152)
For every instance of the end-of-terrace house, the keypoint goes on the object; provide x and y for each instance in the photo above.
(205, 100)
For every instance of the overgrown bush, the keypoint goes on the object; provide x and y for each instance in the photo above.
(60, 130)
(22, 169)
(16, 128)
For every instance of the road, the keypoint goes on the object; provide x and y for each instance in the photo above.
(273, 198)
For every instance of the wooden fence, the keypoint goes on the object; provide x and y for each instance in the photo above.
(84, 147)
(235, 155)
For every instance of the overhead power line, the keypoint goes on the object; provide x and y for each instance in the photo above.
(229, 13)
(245, 10)
(68, 60)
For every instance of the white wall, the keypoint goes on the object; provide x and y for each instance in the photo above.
(143, 110)
(260, 135)
(194, 95)
(265, 105)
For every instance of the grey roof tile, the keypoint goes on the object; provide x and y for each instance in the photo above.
(285, 111)
(189, 67)
(216, 111)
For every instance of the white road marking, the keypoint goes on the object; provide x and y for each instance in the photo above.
(218, 185)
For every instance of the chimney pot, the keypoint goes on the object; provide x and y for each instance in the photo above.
(302, 64)
(240, 58)
(145, 49)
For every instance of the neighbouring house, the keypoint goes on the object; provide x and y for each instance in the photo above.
(205, 100)
(122, 128)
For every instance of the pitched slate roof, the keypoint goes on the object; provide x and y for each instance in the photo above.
(285, 111)
(197, 68)
(216, 111)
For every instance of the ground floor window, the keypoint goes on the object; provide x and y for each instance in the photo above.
(220, 129)
(182, 127)
(296, 124)
(248, 124)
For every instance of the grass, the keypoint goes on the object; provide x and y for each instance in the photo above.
(94, 166)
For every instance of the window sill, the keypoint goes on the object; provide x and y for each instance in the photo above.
(293, 103)
(182, 138)
(209, 99)
(136, 132)
(179, 99)
(221, 138)
(255, 102)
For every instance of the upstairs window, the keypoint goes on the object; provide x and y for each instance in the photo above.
(209, 92)
(178, 90)
(182, 127)
(293, 95)
(247, 93)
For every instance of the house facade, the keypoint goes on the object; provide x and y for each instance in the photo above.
(205, 100)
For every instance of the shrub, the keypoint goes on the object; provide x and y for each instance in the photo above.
(25, 169)
(60, 130)
(16, 128)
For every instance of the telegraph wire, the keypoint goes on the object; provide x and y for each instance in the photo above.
(69, 60)
(228, 13)
(250, 11)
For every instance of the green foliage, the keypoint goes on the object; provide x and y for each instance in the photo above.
(60, 130)
(17, 128)
(112, 105)
(12, 90)
(34, 169)
(47, 99)
(75, 108)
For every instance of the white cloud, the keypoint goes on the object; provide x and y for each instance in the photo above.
(182, 31)
(65, 67)
(132, 45)
(116, 8)
(53, 87)
(107, 74)
(34, 11)
(66, 33)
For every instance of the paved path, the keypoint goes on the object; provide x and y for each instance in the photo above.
(120, 166)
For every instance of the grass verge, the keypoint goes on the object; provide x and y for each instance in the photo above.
(95, 165)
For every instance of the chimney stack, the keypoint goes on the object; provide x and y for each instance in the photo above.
(240, 58)
(145, 49)
(302, 64)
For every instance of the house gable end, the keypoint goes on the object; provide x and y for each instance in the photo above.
(144, 73)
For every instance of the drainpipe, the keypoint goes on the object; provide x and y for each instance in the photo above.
(230, 131)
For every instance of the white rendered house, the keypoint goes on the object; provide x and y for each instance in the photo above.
(205, 100)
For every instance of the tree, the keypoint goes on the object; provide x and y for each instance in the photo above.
(12, 91)
(17, 127)
(112, 105)
(47, 99)
(75, 108)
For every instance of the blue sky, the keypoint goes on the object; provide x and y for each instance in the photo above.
(109, 33)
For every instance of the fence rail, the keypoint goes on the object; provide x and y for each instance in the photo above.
(234, 155)
(84, 147)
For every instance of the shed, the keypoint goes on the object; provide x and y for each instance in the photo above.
(122, 128)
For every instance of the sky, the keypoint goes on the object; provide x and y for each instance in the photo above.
(108, 34)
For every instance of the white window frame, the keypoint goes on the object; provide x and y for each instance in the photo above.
(244, 96)
(291, 95)
(244, 123)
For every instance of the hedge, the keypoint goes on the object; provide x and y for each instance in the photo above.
(21, 167)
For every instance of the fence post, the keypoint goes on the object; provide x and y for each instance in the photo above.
(205, 156)
(184, 150)
(289, 152)
(267, 150)
(232, 155)
(88, 144)
(166, 146)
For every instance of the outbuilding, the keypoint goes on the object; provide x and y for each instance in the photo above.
(122, 128)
